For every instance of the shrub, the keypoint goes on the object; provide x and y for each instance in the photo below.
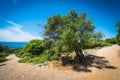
(53, 57)
(26, 54)
(44, 57)
(2, 59)
(111, 40)
(3, 56)
(34, 47)
(35, 51)
(34, 59)
(96, 44)
(25, 59)
(19, 52)
(118, 38)
(4, 49)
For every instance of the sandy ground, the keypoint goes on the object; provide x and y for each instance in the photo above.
(12, 70)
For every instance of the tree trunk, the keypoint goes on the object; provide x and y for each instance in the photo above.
(79, 56)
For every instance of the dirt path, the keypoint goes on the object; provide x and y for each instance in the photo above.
(12, 70)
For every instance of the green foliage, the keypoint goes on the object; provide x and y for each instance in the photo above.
(26, 57)
(111, 40)
(72, 32)
(118, 35)
(118, 39)
(34, 47)
(3, 56)
(12, 50)
(98, 44)
(35, 51)
(43, 58)
(19, 52)
(2, 59)
(4, 51)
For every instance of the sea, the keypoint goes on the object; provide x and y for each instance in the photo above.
(14, 45)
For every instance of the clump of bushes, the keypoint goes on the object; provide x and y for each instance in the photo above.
(26, 57)
(111, 40)
(97, 44)
(2, 56)
(38, 51)
(35, 51)
(101, 43)
(4, 51)
(34, 47)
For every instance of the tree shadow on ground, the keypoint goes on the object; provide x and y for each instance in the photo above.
(88, 62)
(2, 64)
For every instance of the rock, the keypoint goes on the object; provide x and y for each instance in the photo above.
(37, 65)
(46, 66)
(43, 66)
(50, 66)
(40, 65)
(45, 63)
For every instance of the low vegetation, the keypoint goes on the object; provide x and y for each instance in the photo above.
(34, 51)
(118, 35)
(4, 51)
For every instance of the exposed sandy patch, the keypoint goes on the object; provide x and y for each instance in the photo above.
(12, 70)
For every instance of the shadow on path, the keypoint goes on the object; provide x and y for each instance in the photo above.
(93, 61)
(90, 61)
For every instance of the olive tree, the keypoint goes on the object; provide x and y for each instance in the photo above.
(70, 33)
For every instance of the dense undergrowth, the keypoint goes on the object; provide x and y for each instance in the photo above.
(4, 51)
(37, 51)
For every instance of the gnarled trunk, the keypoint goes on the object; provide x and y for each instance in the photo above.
(79, 56)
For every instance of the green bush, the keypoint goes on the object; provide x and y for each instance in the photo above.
(3, 56)
(34, 59)
(34, 47)
(26, 54)
(43, 58)
(96, 44)
(19, 52)
(35, 51)
(53, 57)
(25, 59)
(2, 59)
(118, 38)
(4, 51)
(12, 51)
(111, 40)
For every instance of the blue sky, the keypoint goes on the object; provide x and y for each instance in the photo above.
(19, 19)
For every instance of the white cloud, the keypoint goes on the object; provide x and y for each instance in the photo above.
(16, 34)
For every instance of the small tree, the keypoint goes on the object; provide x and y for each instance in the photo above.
(70, 33)
(118, 35)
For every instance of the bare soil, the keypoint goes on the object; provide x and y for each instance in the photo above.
(13, 70)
